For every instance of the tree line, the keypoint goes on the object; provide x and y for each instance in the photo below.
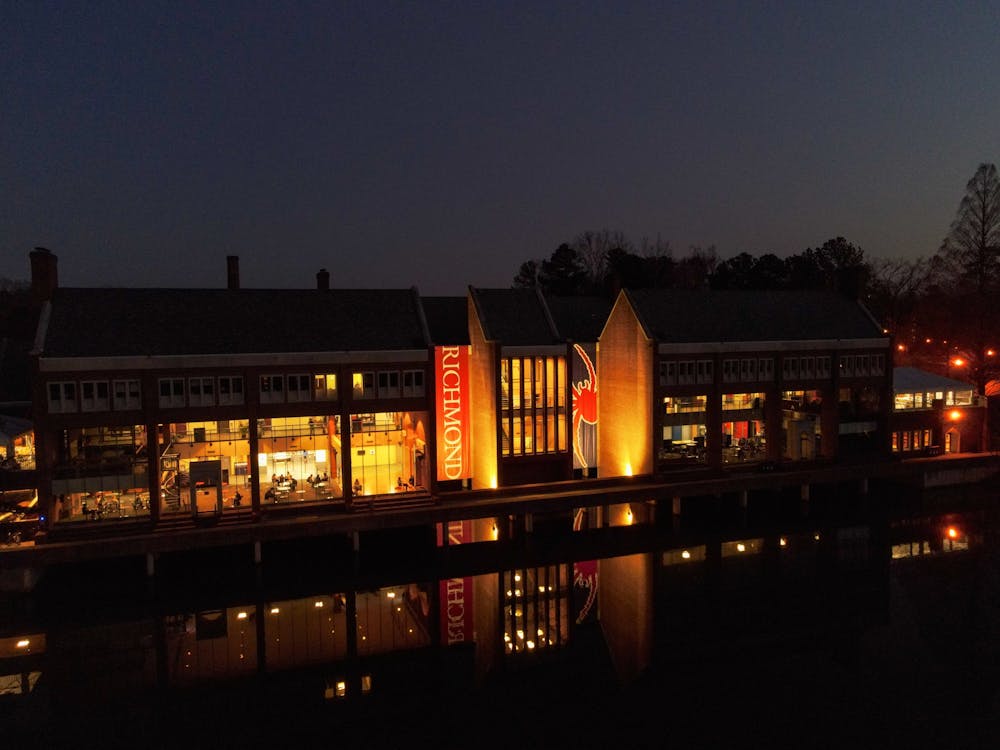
(943, 311)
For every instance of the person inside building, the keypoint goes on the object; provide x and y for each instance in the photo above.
(357, 487)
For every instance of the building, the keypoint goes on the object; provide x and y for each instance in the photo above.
(709, 378)
(933, 414)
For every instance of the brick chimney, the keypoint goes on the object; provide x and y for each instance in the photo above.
(322, 279)
(233, 271)
(44, 273)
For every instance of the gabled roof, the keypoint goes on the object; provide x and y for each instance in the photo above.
(124, 322)
(579, 319)
(699, 316)
(447, 319)
(514, 317)
(914, 380)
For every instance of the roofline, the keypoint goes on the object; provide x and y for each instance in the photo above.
(548, 314)
(419, 304)
(474, 295)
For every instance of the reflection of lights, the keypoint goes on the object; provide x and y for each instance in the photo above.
(318, 605)
(540, 632)
(816, 536)
(541, 589)
(275, 610)
(517, 592)
(530, 644)
(520, 634)
(686, 555)
(23, 643)
(506, 637)
(241, 616)
(741, 547)
(783, 542)
(628, 469)
(517, 576)
(391, 595)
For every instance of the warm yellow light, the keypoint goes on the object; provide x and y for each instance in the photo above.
(318, 605)
(954, 415)
(783, 542)
(900, 347)
(494, 533)
(493, 482)
(686, 555)
(320, 456)
(530, 644)
(990, 353)
(958, 361)
(23, 643)
(952, 532)
(927, 341)
(241, 616)
(541, 632)
(275, 610)
(506, 637)
(816, 536)
(520, 634)
(628, 469)
(517, 576)
(628, 514)
(262, 460)
(741, 547)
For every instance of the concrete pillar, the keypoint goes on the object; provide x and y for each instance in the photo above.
(257, 552)
(150, 565)
(529, 523)
(772, 423)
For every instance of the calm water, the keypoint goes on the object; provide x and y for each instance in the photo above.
(827, 626)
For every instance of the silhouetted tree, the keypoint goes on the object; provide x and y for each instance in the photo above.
(563, 274)
(527, 275)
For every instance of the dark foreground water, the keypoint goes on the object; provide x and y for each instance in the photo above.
(852, 631)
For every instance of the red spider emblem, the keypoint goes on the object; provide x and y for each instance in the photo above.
(584, 402)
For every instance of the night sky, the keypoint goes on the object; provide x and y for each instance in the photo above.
(441, 144)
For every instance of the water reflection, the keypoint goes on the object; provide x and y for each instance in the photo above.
(697, 597)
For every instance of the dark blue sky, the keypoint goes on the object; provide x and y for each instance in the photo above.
(441, 144)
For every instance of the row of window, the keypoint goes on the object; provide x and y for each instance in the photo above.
(911, 440)
(227, 390)
(94, 395)
(701, 371)
(533, 409)
(926, 400)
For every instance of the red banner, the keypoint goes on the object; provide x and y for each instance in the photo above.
(456, 593)
(451, 374)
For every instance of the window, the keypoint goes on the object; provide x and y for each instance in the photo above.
(533, 405)
(388, 384)
(299, 388)
(62, 398)
(668, 373)
(705, 369)
(94, 395)
(171, 392)
(808, 367)
(272, 389)
(895, 442)
(847, 365)
(878, 364)
(230, 389)
(861, 364)
(413, 383)
(790, 368)
(686, 372)
(201, 391)
(363, 384)
(126, 395)
(730, 370)
(822, 367)
(765, 368)
(325, 387)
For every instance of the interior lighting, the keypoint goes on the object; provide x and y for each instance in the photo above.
(493, 532)
(517, 576)
(686, 555)
(783, 542)
(520, 634)
(530, 644)
(241, 616)
(275, 610)
(23, 643)
(541, 632)
(628, 513)
(391, 595)
(262, 460)
(816, 536)
(927, 341)
(318, 605)
(628, 469)
(741, 547)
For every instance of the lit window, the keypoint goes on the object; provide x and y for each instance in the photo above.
(363, 384)
(325, 387)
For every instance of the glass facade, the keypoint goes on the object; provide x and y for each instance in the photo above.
(535, 608)
(388, 452)
(299, 459)
(683, 437)
(204, 466)
(533, 411)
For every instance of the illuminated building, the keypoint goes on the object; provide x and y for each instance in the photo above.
(700, 377)
(933, 414)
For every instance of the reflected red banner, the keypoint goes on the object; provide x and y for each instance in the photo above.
(456, 593)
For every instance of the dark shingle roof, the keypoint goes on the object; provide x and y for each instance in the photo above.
(696, 316)
(907, 379)
(447, 319)
(579, 318)
(123, 322)
(514, 317)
